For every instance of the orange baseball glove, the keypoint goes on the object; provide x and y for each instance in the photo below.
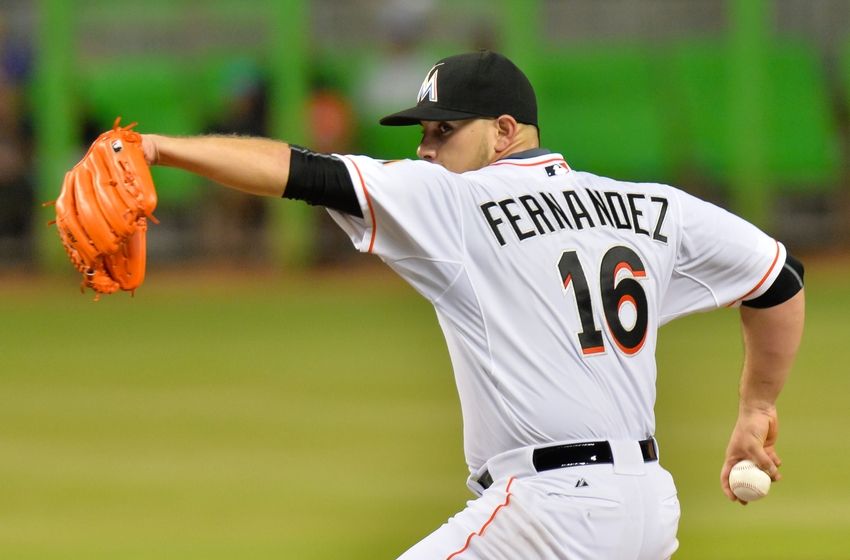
(102, 211)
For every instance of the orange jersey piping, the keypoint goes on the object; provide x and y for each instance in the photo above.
(763, 278)
(550, 160)
(480, 532)
(368, 203)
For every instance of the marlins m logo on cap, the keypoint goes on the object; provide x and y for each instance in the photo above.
(429, 85)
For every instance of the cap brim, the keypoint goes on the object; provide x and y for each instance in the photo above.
(415, 115)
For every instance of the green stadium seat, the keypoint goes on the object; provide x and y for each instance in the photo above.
(845, 73)
(389, 142)
(162, 96)
(344, 71)
(801, 142)
(217, 77)
(599, 105)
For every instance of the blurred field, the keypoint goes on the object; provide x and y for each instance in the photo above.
(314, 417)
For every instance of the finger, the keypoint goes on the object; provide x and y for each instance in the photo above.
(121, 218)
(766, 463)
(776, 461)
(724, 481)
(772, 429)
(112, 171)
(143, 181)
(70, 229)
(91, 213)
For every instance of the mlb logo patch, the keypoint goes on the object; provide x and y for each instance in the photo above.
(556, 169)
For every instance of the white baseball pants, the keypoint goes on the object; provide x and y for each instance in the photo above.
(628, 510)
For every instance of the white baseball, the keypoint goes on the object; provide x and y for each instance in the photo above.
(749, 482)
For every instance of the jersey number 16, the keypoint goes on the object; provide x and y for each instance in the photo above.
(615, 294)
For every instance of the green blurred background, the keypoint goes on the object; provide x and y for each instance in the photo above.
(227, 428)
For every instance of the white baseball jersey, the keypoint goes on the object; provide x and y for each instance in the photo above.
(550, 285)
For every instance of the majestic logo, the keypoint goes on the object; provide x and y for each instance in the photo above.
(428, 89)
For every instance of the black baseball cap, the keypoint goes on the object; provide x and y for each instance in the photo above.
(469, 86)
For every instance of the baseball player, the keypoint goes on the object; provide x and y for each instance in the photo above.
(550, 285)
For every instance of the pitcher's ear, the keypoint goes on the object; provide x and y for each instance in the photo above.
(507, 128)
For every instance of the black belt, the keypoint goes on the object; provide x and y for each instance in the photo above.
(576, 455)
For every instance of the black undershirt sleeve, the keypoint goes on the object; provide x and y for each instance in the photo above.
(786, 285)
(321, 180)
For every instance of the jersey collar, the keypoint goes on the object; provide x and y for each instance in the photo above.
(527, 154)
